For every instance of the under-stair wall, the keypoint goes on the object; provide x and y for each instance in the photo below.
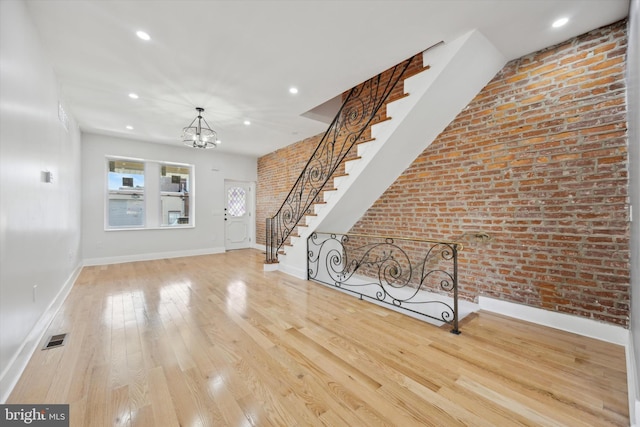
(459, 70)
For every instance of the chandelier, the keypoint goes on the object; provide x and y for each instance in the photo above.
(200, 134)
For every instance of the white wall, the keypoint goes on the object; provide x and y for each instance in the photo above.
(211, 169)
(39, 222)
(633, 120)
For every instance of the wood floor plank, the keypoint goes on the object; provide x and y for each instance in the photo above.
(214, 340)
(98, 407)
(138, 382)
(508, 402)
(164, 412)
(120, 409)
(142, 416)
(315, 391)
(77, 411)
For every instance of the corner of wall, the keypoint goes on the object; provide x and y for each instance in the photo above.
(633, 101)
(632, 383)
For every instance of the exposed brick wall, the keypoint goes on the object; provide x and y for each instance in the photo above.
(538, 162)
(277, 172)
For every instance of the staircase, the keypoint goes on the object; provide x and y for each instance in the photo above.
(457, 71)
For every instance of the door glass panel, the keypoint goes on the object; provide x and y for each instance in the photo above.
(236, 201)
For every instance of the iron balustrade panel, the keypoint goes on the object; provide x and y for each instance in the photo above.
(359, 109)
(418, 276)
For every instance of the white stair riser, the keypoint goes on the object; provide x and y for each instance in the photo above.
(363, 147)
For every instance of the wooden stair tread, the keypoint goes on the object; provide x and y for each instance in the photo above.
(397, 98)
(364, 141)
(386, 119)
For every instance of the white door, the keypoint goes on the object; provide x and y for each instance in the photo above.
(238, 215)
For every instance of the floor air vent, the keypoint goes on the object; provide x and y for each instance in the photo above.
(55, 341)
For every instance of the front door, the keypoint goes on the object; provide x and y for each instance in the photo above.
(238, 215)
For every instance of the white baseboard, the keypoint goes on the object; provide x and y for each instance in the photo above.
(300, 273)
(151, 256)
(565, 322)
(259, 247)
(12, 372)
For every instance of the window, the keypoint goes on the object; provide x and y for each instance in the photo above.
(175, 194)
(169, 188)
(236, 201)
(126, 194)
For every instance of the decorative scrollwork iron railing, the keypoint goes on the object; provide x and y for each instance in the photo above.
(419, 276)
(358, 110)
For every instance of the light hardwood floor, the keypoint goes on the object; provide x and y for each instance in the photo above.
(214, 340)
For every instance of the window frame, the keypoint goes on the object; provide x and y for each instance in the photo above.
(151, 193)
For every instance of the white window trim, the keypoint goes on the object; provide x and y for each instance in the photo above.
(155, 199)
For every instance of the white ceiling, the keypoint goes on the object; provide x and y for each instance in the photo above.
(237, 59)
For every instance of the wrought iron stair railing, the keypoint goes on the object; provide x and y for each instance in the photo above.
(359, 109)
(419, 276)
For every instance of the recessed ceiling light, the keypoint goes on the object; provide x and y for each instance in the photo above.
(247, 122)
(560, 22)
(142, 35)
(293, 90)
(133, 95)
(218, 141)
(129, 127)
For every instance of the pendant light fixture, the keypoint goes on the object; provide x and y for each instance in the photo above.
(199, 134)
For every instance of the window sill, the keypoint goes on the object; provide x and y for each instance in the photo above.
(162, 227)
